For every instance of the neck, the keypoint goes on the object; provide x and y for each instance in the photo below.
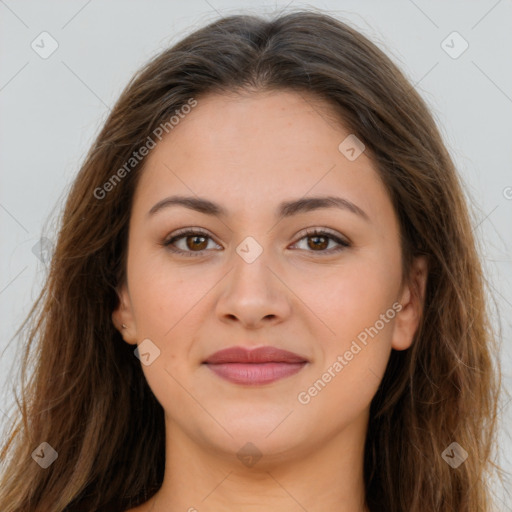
(327, 476)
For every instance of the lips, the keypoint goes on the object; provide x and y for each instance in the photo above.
(258, 366)
(257, 355)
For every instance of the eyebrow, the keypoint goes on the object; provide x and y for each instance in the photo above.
(285, 209)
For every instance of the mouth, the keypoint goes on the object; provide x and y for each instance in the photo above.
(255, 367)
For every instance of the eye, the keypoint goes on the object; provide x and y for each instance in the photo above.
(195, 242)
(318, 241)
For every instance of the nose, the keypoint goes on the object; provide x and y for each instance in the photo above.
(254, 294)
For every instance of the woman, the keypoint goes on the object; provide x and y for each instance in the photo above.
(265, 294)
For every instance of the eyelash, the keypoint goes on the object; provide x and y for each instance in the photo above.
(309, 233)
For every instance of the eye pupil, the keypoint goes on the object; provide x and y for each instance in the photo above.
(315, 244)
(195, 238)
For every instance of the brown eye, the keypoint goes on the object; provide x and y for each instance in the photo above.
(319, 240)
(195, 242)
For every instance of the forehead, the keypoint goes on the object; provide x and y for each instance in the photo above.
(258, 148)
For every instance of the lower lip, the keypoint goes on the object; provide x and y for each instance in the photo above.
(255, 374)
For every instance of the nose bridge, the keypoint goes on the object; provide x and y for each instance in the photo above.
(251, 256)
(252, 269)
(252, 292)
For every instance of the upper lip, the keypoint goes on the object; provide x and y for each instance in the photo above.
(257, 355)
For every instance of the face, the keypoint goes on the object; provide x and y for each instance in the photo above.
(258, 275)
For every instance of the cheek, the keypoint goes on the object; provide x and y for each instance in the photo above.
(350, 363)
(166, 310)
(162, 294)
(350, 297)
(356, 304)
(169, 306)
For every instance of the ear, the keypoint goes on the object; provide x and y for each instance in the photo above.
(123, 315)
(412, 300)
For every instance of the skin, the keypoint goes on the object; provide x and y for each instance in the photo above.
(248, 153)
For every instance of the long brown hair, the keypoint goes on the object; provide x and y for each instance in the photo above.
(87, 396)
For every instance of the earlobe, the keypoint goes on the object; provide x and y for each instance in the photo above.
(122, 317)
(412, 300)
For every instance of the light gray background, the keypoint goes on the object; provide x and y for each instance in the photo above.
(52, 108)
